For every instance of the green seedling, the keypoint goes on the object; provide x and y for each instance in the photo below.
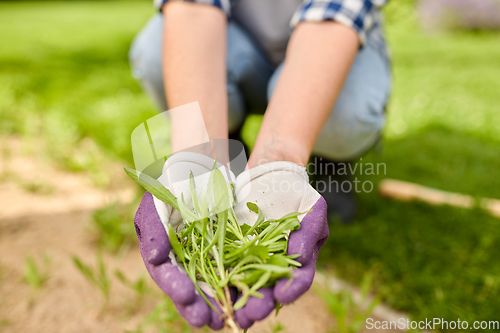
(36, 275)
(214, 248)
(277, 327)
(113, 228)
(350, 315)
(37, 187)
(97, 277)
(165, 319)
(5, 322)
(139, 287)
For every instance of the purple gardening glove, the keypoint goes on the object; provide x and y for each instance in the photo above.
(279, 188)
(150, 222)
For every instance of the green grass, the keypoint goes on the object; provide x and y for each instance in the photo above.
(448, 79)
(65, 78)
(428, 261)
(65, 75)
(443, 131)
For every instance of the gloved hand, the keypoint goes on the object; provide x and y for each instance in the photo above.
(279, 188)
(150, 221)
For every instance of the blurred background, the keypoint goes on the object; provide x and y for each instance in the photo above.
(68, 104)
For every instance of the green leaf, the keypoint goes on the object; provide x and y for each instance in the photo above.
(231, 236)
(153, 186)
(278, 308)
(192, 265)
(278, 246)
(249, 277)
(290, 224)
(188, 230)
(253, 207)
(242, 262)
(262, 281)
(174, 242)
(267, 267)
(214, 241)
(259, 251)
(292, 262)
(222, 221)
(240, 250)
(32, 274)
(194, 196)
(123, 279)
(366, 285)
(220, 191)
(293, 256)
(85, 270)
(186, 212)
(278, 260)
(258, 222)
(244, 228)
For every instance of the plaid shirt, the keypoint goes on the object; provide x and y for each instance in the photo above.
(362, 15)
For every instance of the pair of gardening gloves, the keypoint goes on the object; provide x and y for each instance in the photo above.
(278, 188)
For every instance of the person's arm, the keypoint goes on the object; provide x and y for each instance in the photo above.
(318, 59)
(194, 69)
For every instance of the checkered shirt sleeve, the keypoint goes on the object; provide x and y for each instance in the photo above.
(224, 5)
(361, 15)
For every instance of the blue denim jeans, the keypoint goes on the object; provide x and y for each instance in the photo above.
(353, 126)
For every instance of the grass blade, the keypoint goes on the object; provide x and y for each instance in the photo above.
(153, 186)
(174, 242)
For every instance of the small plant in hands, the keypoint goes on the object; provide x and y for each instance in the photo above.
(214, 249)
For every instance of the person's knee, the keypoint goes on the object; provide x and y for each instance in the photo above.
(145, 51)
(235, 107)
(136, 57)
(242, 55)
(145, 60)
(247, 67)
(351, 129)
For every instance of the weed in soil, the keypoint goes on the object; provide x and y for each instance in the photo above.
(112, 227)
(37, 275)
(139, 287)
(277, 327)
(164, 318)
(350, 314)
(97, 277)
